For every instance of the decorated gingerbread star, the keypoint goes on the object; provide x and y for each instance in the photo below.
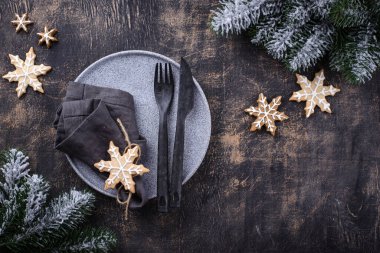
(47, 37)
(314, 93)
(266, 114)
(122, 168)
(21, 22)
(26, 73)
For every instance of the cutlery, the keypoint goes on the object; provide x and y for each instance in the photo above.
(163, 91)
(185, 105)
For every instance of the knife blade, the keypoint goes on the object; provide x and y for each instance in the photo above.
(185, 105)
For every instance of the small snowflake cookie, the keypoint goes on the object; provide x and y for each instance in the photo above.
(266, 114)
(22, 22)
(122, 168)
(47, 37)
(314, 93)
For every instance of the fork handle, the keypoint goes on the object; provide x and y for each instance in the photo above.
(162, 165)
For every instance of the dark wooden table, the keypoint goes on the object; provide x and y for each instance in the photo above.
(314, 187)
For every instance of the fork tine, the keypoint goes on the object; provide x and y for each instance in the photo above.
(156, 78)
(171, 80)
(161, 76)
(166, 74)
(156, 74)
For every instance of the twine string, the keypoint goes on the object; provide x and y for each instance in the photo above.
(126, 202)
(129, 146)
(124, 131)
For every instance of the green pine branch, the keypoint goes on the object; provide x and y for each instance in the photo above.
(356, 54)
(302, 32)
(86, 240)
(349, 13)
(29, 224)
(310, 46)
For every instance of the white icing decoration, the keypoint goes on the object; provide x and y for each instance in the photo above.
(266, 114)
(26, 73)
(124, 169)
(314, 93)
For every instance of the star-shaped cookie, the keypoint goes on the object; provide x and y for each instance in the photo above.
(26, 73)
(314, 93)
(122, 168)
(47, 37)
(21, 22)
(266, 114)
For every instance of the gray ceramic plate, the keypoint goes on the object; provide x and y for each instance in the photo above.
(133, 71)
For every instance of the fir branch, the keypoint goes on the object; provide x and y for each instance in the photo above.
(310, 48)
(349, 13)
(12, 189)
(374, 7)
(88, 240)
(321, 8)
(270, 8)
(63, 215)
(37, 194)
(356, 54)
(281, 41)
(237, 15)
(268, 23)
(26, 225)
(264, 30)
(66, 212)
(13, 171)
(284, 28)
(298, 14)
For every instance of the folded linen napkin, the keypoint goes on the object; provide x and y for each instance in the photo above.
(86, 123)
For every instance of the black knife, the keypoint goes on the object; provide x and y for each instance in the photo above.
(185, 105)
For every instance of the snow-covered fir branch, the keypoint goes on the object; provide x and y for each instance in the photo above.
(314, 48)
(28, 224)
(93, 240)
(300, 32)
(362, 50)
(67, 211)
(264, 30)
(281, 41)
(237, 15)
(349, 13)
(321, 8)
(64, 214)
(36, 198)
(13, 173)
(299, 14)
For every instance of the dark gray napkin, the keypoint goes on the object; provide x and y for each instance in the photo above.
(86, 123)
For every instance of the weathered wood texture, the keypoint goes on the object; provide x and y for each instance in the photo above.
(314, 187)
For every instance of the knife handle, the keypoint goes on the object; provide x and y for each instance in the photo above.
(162, 165)
(177, 165)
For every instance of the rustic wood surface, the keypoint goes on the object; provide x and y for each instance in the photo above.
(314, 187)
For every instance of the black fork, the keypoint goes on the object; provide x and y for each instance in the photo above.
(163, 91)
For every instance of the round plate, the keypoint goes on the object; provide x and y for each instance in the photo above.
(133, 71)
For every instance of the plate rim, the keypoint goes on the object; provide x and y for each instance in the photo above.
(144, 53)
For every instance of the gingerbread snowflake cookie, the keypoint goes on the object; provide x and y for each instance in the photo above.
(266, 114)
(47, 37)
(21, 22)
(314, 93)
(122, 168)
(26, 73)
